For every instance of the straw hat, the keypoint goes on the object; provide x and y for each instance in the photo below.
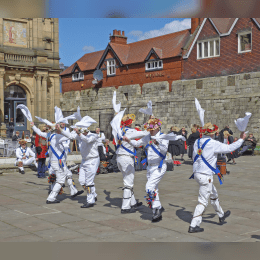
(128, 119)
(208, 129)
(21, 142)
(152, 124)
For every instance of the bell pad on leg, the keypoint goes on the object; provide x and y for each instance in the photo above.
(150, 197)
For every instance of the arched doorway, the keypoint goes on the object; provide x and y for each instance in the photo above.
(14, 96)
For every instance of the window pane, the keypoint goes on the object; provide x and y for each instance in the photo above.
(245, 42)
(148, 65)
(211, 45)
(205, 49)
(152, 65)
(200, 50)
(155, 64)
(217, 48)
(160, 64)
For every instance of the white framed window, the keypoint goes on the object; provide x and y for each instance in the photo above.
(111, 67)
(78, 76)
(244, 42)
(154, 65)
(208, 48)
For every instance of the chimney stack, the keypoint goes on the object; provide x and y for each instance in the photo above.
(118, 38)
(195, 22)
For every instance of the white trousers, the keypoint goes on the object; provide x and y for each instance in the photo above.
(26, 162)
(154, 176)
(87, 173)
(207, 190)
(62, 174)
(126, 166)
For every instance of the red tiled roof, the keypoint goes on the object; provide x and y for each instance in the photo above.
(166, 46)
(88, 62)
(223, 24)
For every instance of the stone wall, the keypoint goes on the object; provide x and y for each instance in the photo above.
(224, 99)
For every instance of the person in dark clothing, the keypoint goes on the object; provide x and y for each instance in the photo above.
(221, 135)
(217, 137)
(138, 166)
(191, 140)
(16, 136)
(11, 127)
(174, 146)
(183, 144)
(250, 143)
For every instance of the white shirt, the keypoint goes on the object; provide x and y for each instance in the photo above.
(130, 134)
(152, 156)
(66, 144)
(88, 144)
(210, 153)
(56, 143)
(101, 139)
(20, 153)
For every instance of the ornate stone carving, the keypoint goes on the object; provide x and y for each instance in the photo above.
(17, 77)
(45, 77)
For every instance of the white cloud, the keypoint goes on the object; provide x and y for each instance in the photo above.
(174, 26)
(88, 48)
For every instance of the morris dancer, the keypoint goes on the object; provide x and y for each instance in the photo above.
(57, 159)
(90, 157)
(204, 167)
(22, 155)
(156, 144)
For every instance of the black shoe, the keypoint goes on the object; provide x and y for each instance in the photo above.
(157, 216)
(226, 214)
(138, 204)
(78, 193)
(63, 185)
(87, 205)
(126, 211)
(227, 172)
(228, 160)
(195, 229)
(22, 172)
(52, 202)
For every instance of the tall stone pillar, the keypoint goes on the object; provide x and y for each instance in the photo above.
(44, 96)
(52, 94)
(38, 94)
(2, 73)
(57, 91)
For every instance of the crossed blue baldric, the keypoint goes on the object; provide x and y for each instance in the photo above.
(156, 151)
(23, 152)
(215, 170)
(49, 138)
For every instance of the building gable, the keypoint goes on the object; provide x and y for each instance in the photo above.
(154, 53)
(76, 68)
(109, 53)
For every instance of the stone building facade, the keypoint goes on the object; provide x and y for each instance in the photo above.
(223, 98)
(29, 69)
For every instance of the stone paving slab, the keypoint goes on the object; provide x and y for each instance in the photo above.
(25, 216)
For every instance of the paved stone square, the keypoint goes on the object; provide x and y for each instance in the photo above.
(25, 216)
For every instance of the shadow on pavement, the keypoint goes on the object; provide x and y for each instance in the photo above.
(255, 236)
(112, 201)
(186, 216)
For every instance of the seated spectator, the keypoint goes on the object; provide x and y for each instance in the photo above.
(22, 156)
(16, 136)
(249, 143)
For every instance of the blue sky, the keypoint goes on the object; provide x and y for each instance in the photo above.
(78, 36)
(119, 8)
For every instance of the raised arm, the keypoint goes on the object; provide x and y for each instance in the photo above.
(142, 142)
(72, 135)
(38, 131)
(225, 148)
(89, 138)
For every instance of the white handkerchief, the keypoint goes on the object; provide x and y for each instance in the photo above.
(241, 123)
(148, 110)
(45, 121)
(116, 107)
(115, 124)
(25, 111)
(200, 111)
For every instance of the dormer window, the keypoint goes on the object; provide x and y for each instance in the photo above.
(111, 67)
(244, 42)
(208, 49)
(154, 65)
(77, 76)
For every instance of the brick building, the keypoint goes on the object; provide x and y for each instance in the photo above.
(212, 47)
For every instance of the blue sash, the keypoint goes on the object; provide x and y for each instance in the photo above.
(120, 144)
(157, 152)
(23, 152)
(215, 170)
